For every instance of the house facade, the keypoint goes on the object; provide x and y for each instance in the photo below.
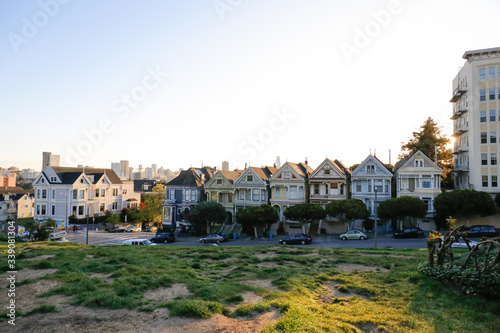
(182, 193)
(15, 203)
(418, 176)
(252, 187)
(328, 182)
(289, 186)
(221, 189)
(64, 191)
(370, 176)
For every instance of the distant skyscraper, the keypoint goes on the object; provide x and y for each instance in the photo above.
(155, 168)
(278, 162)
(50, 160)
(125, 169)
(117, 168)
(225, 166)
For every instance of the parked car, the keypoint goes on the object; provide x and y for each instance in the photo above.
(296, 239)
(163, 238)
(137, 242)
(409, 233)
(133, 229)
(353, 234)
(150, 229)
(481, 231)
(213, 238)
(460, 243)
(118, 229)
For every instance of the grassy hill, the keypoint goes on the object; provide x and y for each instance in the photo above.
(69, 287)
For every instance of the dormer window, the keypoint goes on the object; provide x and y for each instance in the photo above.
(370, 168)
(219, 181)
(43, 180)
(287, 174)
(249, 178)
(81, 180)
(419, 163)
(327, 171)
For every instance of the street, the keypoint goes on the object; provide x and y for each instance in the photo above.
(328, 241)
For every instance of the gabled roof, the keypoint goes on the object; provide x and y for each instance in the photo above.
(404, 162)
(192, 177)
(69, 175)
(264, 173)
(338, 166)
(371, 157)
(301, 169)
(231, 176)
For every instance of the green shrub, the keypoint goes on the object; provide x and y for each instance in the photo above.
(197, 308)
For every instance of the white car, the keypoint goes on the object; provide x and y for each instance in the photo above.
(460, 243)
(138, 241)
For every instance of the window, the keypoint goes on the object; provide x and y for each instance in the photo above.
(494, 181)
(482, 73)
(419, 163)
(498, 71)
(73, 209)
(80, 210)
(370, 168)
(482, 95)
(293, 194)
(53, 209)
(115, 205)
(491, 73)
(82, 194)
(229, 197)
(278, 192)
(482, 116)
(426, 182)
(37, 209)
(193, 195)
(316, 188)
(220, 197)
(124, 191)
(327, 172)
(287, 174)
(44, 209)
(38, 194)
(493, 115)
(101, 207)
(242, 194)
(493, 137)
(249, 178)
(97, 193)
(484, 137)
(263, 195)
(103, 192)
(485, 181)
(219, 181)
(492, 94)
(334, 188)
(44, 194)
(115, 192)
(377, 184)
(186, 195)
(75, 194)
(498, 93)
(484, 159)
(493, 158)
(428, 203)
(53, 194)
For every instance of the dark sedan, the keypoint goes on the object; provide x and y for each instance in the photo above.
(296, 239)
(163, 238)
(409, 233)
(119, 229)
(481, 231)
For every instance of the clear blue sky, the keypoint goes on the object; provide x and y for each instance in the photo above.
(180, 83)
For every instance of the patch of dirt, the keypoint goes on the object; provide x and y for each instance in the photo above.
(104, 277)
(264, 283)
(333, 293)
(26, 295)
(28, 273)
(249, 297)
(369, 328)
(162, 295)
(43, 257)
(384, 255)
(349, 268)
(272, 264)
(219, 323)
(266, 255)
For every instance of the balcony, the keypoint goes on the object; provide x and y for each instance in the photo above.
(460, 149)
(458, 111)
(461, 168)
(459, 92)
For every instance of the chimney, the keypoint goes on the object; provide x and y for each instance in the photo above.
(245, 166)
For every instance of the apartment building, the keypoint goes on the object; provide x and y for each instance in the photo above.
(476, 121)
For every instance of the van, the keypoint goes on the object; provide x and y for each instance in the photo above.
(137, 242)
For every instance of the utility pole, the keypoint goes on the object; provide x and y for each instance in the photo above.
(376, 234)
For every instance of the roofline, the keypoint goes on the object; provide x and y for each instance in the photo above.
(469, 54)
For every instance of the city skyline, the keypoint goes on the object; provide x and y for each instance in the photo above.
(198, 83)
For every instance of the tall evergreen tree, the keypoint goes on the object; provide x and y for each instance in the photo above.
(426, 140)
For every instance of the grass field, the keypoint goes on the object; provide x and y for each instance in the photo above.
(312, 289)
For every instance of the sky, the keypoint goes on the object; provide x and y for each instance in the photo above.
(191, 83)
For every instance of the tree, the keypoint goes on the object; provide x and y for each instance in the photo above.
(348, 210)
(39, 231)
(400, 208)
(462, 203)
(113, 219)
(152, 208)
(257, 216)
(206, 214)
(305, 213)
(426, 140)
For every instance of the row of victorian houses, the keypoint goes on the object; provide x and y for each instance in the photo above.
(371, 182)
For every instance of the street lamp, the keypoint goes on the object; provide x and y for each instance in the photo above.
(376, 218)
(67, 213)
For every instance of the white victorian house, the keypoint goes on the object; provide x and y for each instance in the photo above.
(252, 187)
(64, 191)
(369, 177)
(418, 176)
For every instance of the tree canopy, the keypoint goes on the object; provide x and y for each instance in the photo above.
(305, 213)
(462, 203)
(402, 207)
(347, 210)
(206, 214)
(428, 137)
(257, 216)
